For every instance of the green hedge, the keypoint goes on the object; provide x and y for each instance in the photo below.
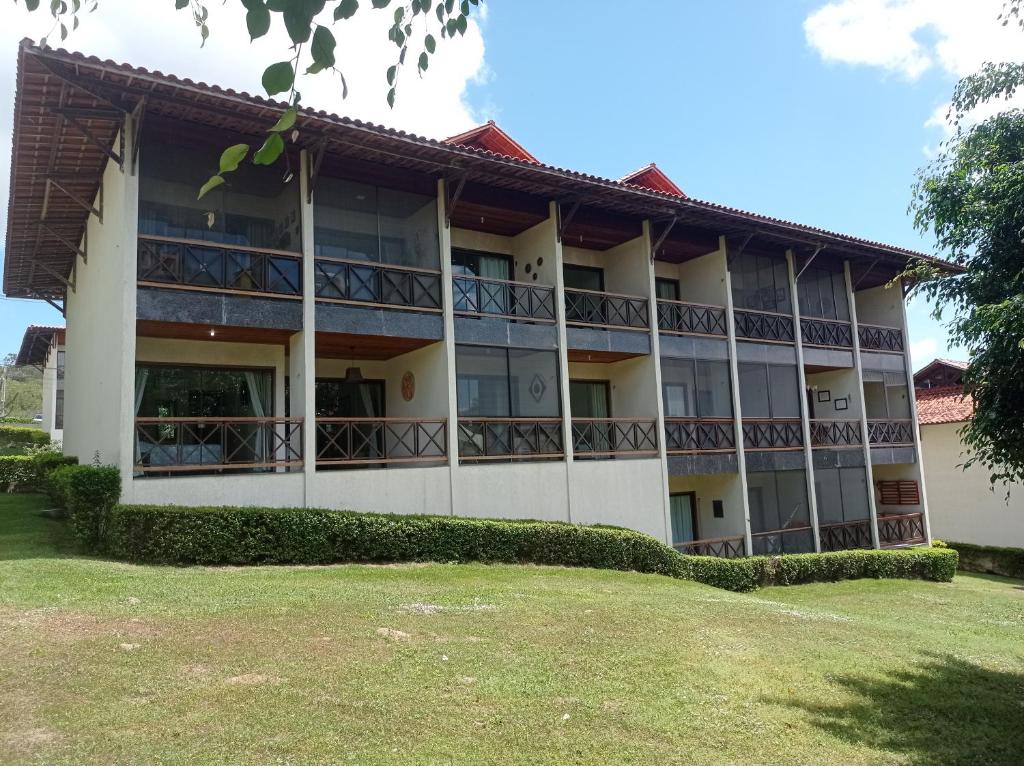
(32, 472)
(239, 536)
(989, 559)
(14, 439)
(89, 494)
(16, 472)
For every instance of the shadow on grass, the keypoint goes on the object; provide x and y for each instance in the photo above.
(943, 711)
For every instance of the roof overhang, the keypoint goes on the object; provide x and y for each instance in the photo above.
(36, 344)
(70, 108)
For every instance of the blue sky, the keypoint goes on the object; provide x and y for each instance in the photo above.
(811, 111)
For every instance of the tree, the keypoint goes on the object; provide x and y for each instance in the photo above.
(312, 50)
(972, 200)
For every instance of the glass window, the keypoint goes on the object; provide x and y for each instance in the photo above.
(714, 392)
(254, 208)
(760, 283)
(854, 483)
(500, 383)
(58, 412)
(533, 381)
(583, 277)
(874, 401)
(793, 508)
(684, 518)
(678, 388)
(168, 391)
(754, 401)
(785, 391)
(778, 502)
(823, 294)
(358, 221)
(829, 495)
(897, 396)
(589, 399)
(666, 289)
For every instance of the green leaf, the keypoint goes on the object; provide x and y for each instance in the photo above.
(430, 43)
(213, 183)
(461, 24)
(279, 77)
(285, 122)
(391, 98)
(424, 61)
(346, 9)
(257, 20)
(231, 156)
(322, 50)
(392, 73)
(178, 4)
(270, 151)
(380, 3)
(32, 5)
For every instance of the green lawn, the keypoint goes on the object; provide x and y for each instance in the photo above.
(102, 662)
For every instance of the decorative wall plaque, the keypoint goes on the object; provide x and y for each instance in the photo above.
(408, 386)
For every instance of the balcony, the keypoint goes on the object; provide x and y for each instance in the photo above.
(589, 308)
(502, 298)
(208, 445)
(775, 434)
(380, 442)
(766, 326)
(187, 264)
(776, 542)
(879, 338)
(679, 318)
(901, 529)
(691, 435)
(891, 433)
(614, 437)
(721, 547)
(506, 439)
(826, 333)
(845, 535)
(377, 285)
(836, 433)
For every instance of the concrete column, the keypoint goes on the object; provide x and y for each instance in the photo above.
(448, 301)
(302, 345)
(563, 360)
(805, 419)
(908, 366)
(863, 409)
(129, 237)
(734, 376)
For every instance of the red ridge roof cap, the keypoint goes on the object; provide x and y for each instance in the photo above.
(491, 138)
(653, 178)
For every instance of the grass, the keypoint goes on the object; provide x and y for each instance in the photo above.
(103, 662)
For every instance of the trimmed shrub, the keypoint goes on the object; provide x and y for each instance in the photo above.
(44, 464)
(240, 536)
(14, 439)
(89, 494)
(15, 472)
(989, 559)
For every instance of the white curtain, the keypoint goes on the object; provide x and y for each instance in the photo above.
(259, 390)
(141, 376)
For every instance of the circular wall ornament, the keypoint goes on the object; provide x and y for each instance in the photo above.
(408, 386)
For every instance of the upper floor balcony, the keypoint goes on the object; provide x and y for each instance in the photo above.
(879, 338)
(683, 318)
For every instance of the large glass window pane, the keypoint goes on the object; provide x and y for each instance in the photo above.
(766, 299)
(253, 208)
(714, 393)
(533, 383)
(781, 287)
(839, 293)
(678, 388)
(681, 510)
(754, 391)
(874, 400)
(583, 277)
(854, 484)
(589, 399)
(829, 495)
(896, 395)
(785, 392)
(793, 508)
(481, 375)
(763, 496)
(808, 289)
(666, 289)
(408, 229)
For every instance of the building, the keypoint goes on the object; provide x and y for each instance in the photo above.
(964, 507)
(451, 327)
(43, 347)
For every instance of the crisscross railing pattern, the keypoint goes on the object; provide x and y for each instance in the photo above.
(772, 434)
(191, 264)
(699, 435)
(826, 332)
(836, 433)
(764, 325)
(779, 541)
(890, 433)
(376, 284)
(878, 338)
(380, 441)
(205, 444)
(690, 318)
(482, 439)
(587, 307)
(606, 437)
(722, 547)
(845, 535)
(479, 296)
(901, 529)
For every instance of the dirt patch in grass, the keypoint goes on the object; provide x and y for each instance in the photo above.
(64, 626)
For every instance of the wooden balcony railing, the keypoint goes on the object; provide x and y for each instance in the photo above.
(764, 325)
(722, 547)
(380, 441)
(836, 433)
(690, 318)
(901, 529)
(845, 535)
(479, 296)
(891, 433)
(684, 435)
(483, 439)
(773, 434)
(339, 280)
(779, 541)
(608, 310)
(189, 264)
(878, 338)
(170, 445)
(827, 333)
(611, 437)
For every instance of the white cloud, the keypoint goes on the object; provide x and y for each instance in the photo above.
(923, 351)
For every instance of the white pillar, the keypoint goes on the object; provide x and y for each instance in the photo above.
(805, 419)
(858, 366)
(563, 361)
(656, 356)
(448, 301)
(302, 345)
(912, 397)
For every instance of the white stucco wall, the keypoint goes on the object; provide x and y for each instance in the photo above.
(880, 306)
(414, 490)
(897, 472)
(520, 490)
(701, 280)
(267, 490)
(962, 505)
(626, 493)
(724, 487)
(841, 384)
